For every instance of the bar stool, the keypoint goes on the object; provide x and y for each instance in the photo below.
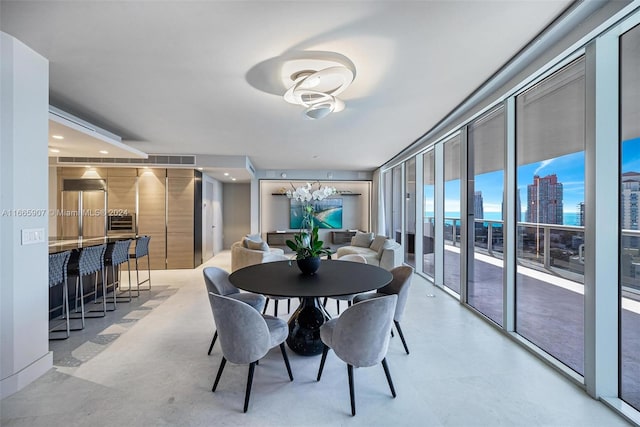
(142, 250)
(58, 275)
(91, 262)
(118, 256)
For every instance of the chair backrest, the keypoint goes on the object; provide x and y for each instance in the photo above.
(361, 334)
(58, 267)
(243, 332)
(142, 246)
(353, 258)
(120, 252)
(91, 259)
(399, 286)
(217, 281)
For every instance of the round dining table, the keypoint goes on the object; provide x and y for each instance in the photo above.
(333, 278)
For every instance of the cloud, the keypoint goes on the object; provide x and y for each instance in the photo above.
(543, 164)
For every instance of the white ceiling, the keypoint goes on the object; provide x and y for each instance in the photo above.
(203, 77)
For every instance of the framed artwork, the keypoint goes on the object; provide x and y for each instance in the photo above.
(326, 213)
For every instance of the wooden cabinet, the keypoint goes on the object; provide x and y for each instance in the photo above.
(180, 218)
(151, 214)
(342, 237)
(279, 239)
(164, 204)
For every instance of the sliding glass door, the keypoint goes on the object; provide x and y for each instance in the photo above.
(550, 144)
(485, 155)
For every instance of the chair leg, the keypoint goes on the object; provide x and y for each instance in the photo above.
(352, 393)
(213, 341)
(325, 350)
(286, 361)
(338, 305)
(288, 305)
(275, 305)
(404, 343)
(247, 394)
(266, 304)
(324, 303)
(388, 375)
(220, 369)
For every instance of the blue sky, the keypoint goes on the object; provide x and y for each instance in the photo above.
(568, 168)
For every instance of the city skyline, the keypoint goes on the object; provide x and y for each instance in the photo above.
(568, 168)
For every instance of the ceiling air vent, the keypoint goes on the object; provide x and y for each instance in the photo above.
(152, 160)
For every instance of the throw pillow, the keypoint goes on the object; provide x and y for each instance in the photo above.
(251, 237)
(362, 239)
(377, 243)
(258, 246)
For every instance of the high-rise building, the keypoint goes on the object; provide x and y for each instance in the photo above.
(478, 207)
(629, 200)
(581, 214)
(544, 200)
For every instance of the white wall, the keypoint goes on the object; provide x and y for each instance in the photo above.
(274, 210)
(24, 298)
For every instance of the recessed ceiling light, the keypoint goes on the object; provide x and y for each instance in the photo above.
(233, 179)
(200, 169)
(226, 174)
(54, 150)
(57, 136)
(104, 152)
(88, 166)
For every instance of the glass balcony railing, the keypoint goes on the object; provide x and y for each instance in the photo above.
(555, 249)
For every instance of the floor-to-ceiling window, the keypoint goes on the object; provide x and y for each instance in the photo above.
(486, 147)
(630, 217)
(550, 141)
(410, 211)
(397, 201)
(428, 212)
(387, 185)
(452, 215)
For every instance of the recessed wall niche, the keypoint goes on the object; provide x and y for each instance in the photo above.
(274, 207)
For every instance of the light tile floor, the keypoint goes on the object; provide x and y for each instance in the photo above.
(147, 365)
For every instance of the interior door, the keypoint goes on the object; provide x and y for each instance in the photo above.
(207, 214)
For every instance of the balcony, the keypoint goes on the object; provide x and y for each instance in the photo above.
(549, 288)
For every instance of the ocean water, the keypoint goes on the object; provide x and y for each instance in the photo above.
(569, 218)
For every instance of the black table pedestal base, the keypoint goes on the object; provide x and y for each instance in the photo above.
(304, 327)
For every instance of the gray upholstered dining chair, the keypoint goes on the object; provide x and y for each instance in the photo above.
(217, 281)
(399, 286)
(246, 336)
(360, 337)
(347, 298)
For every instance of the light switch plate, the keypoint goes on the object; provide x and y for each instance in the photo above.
(31, 236)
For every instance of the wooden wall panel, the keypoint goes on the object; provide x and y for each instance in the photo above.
(180, 241)
(93, 220)
(121, 194)
(151, 213)
(122, 172)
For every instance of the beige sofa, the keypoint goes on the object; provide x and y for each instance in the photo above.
(242, 256)
(377, 250)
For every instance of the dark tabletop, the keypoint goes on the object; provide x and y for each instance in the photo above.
(333, 278)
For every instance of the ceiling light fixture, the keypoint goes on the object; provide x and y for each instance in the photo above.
(317, 90)
(57, 136)
(104, 152)
(54, 150)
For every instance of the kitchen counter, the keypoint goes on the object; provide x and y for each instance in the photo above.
(62, 243)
